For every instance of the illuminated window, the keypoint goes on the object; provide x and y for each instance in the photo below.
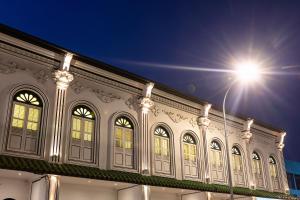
(236, 158)
(82, 134)
(216, 154)
(162, 157)
(273, 172)
(190, 156)
(237, 166)
(123, 142)
(257, 169)
(189, 149)
(25, 122)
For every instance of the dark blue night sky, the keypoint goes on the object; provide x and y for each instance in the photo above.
(137, 35)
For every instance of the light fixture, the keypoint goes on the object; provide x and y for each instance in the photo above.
(247, 70)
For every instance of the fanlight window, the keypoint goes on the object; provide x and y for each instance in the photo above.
(162, 157)
(25, 122)
(160, 131)
(255, 156)
(82, 134)
(235, 151)
(123, 142)
(124, 122)
(215, 145)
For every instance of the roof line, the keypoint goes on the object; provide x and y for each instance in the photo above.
(110, 68)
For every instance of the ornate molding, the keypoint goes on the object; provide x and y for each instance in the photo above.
(42, 75)
(155, 110)
(29, 54)
(132, 102)
(175, 104)
(175, 117)
(193, 122)
(77, 87)
(105, 97)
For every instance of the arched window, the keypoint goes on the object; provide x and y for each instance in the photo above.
(82, 140)
(237, 166)
(123, 143)
(273, 173)
(162, 158)
(25, 123)
(216, 161)
(257, 170)
(190, 156)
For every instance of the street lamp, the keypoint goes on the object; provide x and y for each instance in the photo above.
(246, 71)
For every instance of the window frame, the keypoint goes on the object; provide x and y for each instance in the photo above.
(261, 162)
(171, 150)
(68, 128)
(223, 160)
(43, 121)
(111, 139)
(197, 157)
(82, 133)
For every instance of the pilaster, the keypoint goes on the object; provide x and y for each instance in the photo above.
(62, 78)
(246, 136)
(281, 166)
(203, 123)
(145, 104)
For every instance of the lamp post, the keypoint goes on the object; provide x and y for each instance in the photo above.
(245, 72)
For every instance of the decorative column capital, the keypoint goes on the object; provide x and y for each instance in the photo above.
(280, 143)
(203, 121)
(145, 103)
(246, 132)
(63, 79)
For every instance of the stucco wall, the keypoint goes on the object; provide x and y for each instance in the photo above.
(14, 188)
(79, 192)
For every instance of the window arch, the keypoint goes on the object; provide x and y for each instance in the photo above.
(274, 173)
(162, 157)
(190, 161)
(82, 134)
(25, 122)
(237, 166)
(123, 142)
(257, 169)
(216, 161)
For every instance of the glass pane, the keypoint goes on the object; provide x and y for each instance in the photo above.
(186, 151)
(33, 118)
(118, 137)
(165, 147)
(157, 146)
(128, 139)
(18, 116)
(193, 152)
(76, 124)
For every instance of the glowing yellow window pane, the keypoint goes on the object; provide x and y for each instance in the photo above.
(18, 116)
(118, 137)
(88, 126)
(164, 147)
(128, 139)
(33, 115)
(76, 124)
(186, 151)
(192, 152)
(76, 135)
(157, 146)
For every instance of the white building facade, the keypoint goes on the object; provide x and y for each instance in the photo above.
(75, 128)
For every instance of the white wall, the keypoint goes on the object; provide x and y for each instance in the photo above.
(14, 188)
(164, 196)
(80, 192)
